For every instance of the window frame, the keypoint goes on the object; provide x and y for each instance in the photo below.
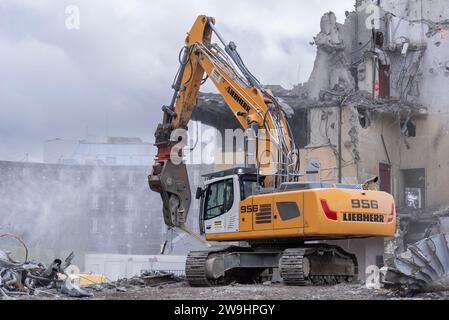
(226, 207)
(242, 181)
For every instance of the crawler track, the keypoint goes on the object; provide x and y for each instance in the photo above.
(293, 267)
(196, 269)
(317, 265)
(308, 265)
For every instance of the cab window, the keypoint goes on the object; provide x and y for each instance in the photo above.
(219, 198)
(248, 188)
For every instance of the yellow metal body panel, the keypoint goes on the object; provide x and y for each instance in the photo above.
(85, 279)
(88, 279)
(245, 217)
(358, 213)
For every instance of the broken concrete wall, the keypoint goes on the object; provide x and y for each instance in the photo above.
(417, 42)
(377, 130)
(319, 164)
(434, 10)
(350, 143)
(331, 70)
(326, 129)
(429, 150)
(421, 25)
(415, 46)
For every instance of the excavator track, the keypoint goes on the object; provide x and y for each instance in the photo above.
(317, 265)
(196, 264)
(293, 267)
(310, 265)
(196, 268)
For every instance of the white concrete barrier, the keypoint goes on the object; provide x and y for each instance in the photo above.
(116, 266)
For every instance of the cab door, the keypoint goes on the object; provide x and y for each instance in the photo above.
(220, 209)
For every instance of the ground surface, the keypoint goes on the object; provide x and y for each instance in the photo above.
(181, 291)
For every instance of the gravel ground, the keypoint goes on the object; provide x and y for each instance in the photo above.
(181, 291)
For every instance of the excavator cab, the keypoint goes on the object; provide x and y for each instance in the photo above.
(221, 196)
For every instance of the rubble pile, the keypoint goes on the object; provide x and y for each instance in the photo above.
(31, 278)
(423, 267)
(135, 287)
(35, 278)
(148, 278)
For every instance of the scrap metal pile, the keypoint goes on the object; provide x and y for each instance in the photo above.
(423, 267)
(31, 278)
(34, 278)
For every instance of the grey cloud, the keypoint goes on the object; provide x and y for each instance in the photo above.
(114, 73)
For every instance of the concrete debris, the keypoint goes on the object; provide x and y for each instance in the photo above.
(135, 286)
(442, 213)
(417, 224)
(75, 292)
(159, 279)
(149, 279)
(212, 109)
(423, 267)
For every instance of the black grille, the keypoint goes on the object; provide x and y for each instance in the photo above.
(264, 214)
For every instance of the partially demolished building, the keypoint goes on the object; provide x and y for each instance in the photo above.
(376, 104)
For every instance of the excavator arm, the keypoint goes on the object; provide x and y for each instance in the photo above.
(254, 107)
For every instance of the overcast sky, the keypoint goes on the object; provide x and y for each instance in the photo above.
(112, 75)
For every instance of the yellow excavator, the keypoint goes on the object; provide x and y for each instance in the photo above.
(278, 222)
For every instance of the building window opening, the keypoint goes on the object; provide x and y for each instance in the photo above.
(414, 188)
(409, 129)
(364, 118)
